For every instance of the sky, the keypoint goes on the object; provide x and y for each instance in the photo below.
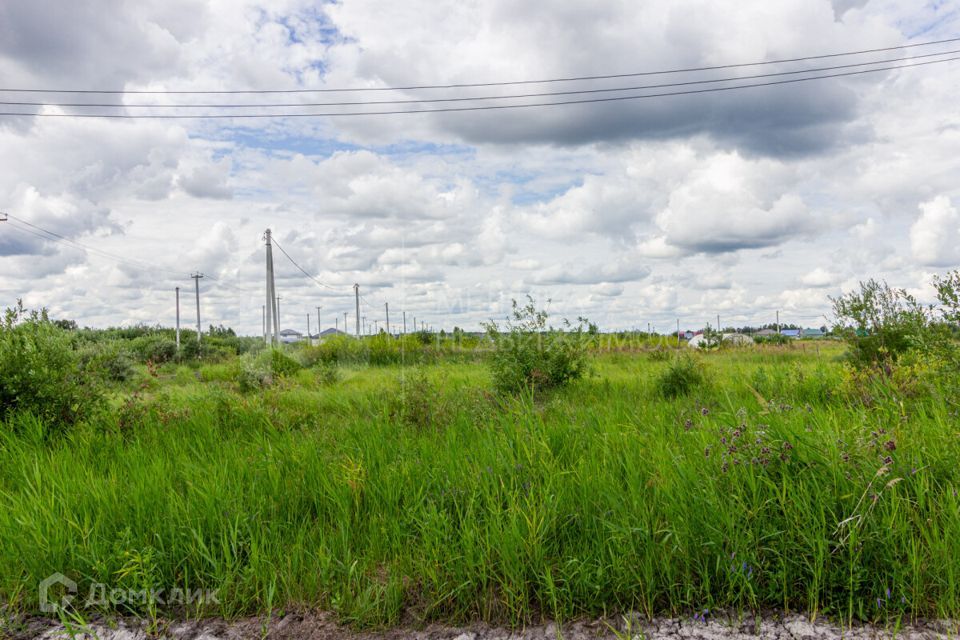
(738, 203)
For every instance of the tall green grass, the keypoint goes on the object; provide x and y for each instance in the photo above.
(765, 488)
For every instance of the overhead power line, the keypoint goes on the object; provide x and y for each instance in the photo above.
(483, 84)
(230, 286)
(302, 270)
(334, 114)
(56, 237)
(473, 98)
(51, 236)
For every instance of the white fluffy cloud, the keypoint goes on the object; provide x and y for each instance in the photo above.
(935, 236)
(641, 211)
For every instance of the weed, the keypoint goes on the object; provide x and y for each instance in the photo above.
(681, 376)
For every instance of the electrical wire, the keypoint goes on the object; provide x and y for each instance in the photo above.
(46, 234)
(56, 237)
(302, 270)
(469, 108)
(230, 286)
(485, 84)
(470, 98)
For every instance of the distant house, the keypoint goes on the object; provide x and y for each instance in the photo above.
(326, 333)
(766, 333)
(290, 335)
(812, 333)
(790, 333)
(686, 335)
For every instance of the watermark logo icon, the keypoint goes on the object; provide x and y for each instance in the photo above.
(59, 593)
(49, 588)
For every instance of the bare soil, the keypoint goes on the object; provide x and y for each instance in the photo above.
(320, 626)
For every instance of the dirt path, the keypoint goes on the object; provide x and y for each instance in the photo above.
(313, 626)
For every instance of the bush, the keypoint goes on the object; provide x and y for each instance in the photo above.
(327, 373)
(680, 377)
(283, 365)
(110, 361)
(879, 323)
(333, 350)
(254, 373)
(531, 355)
(420, 404)
(154, 348)
(711, 339)
(39, 370)
(659, 353)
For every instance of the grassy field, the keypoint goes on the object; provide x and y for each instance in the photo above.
(415, 493)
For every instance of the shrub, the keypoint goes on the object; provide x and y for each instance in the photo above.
(420, 404)
(327, 373)
(154, 348)
(711, 339)
(39, 369)
(110, 361)
(383, 350)
(281, 364)
(531, 355)
(680, 377)
(879, 323)
(659, 353)
(335, 349)
(254, 373)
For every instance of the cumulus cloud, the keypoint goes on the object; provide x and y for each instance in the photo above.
(609, 208)
(393, 44)
(819, 277)
(621, 271)
(935, 236)
(207, 181)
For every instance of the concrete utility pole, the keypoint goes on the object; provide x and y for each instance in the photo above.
(376, 325)
(196, 281)
(387, 307)
(271, 331)
(718, 323)
(363, 321)
(178, 319)
(318, 323)
(356, 296)
(414, 324)
(344, 321)
(278, 315)
(404, 323)
(308, 328)
(778, 321)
